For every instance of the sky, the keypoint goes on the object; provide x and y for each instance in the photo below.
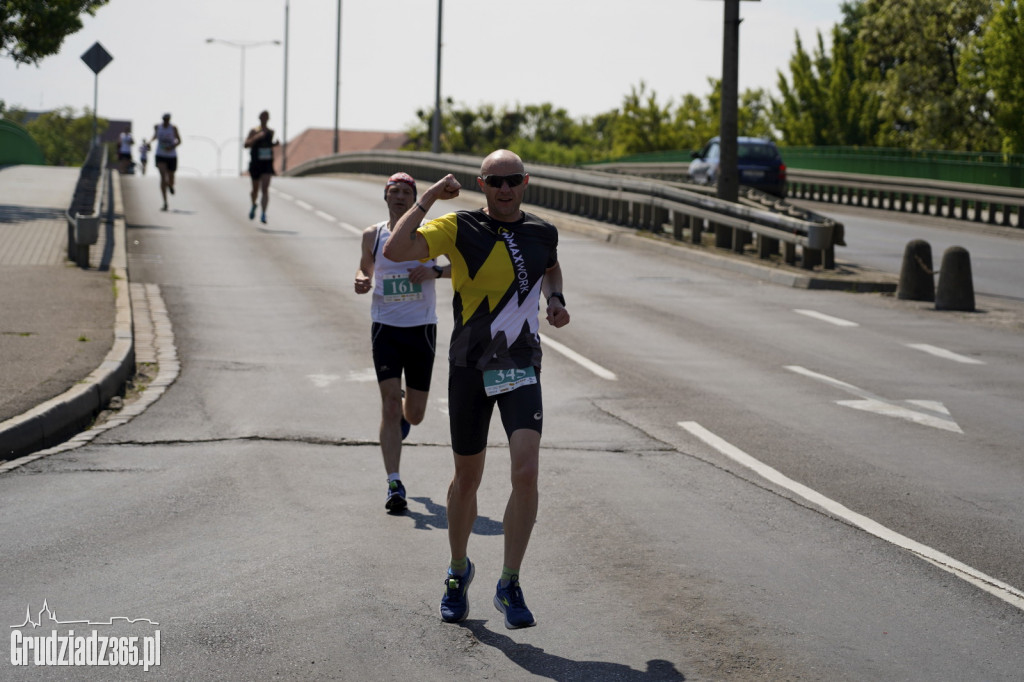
(582, 55)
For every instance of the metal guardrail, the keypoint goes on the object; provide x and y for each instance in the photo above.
(978, 203)
(631, 201)
(975, 203)
(86, 206)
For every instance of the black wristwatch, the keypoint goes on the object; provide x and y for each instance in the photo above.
(558, 295)
(439, 270)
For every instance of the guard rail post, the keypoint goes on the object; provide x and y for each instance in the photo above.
(83, 228)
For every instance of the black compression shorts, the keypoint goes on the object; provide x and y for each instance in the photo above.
(170, 161)
(408, 349)
(470, 409)
(257, 169)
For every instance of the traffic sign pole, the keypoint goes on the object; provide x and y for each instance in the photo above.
(96, 58)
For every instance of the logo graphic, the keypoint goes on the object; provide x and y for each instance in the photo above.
(93, 649)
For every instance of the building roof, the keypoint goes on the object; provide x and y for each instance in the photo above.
(314, 143)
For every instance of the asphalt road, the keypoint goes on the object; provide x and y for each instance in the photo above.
(878, 238)
(739, 480)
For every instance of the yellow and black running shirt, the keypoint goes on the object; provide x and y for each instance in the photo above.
(497, 271)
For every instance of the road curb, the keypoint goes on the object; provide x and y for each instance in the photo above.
(65, 415)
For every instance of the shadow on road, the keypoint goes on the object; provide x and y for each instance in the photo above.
(538, 662)
(436, 517)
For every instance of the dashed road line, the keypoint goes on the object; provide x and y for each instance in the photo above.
(928, 413)
(579, 359)
(945, 354)
(838, 321)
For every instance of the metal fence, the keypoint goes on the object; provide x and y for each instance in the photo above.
(978, 168)
(644, 204)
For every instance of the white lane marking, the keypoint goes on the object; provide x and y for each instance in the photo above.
(934, 413)
(838, 321)
(1007, 593)
(945, 354)
(887, 409)
(322, 214)
(579, 359)
(363, 375)
(323, 380)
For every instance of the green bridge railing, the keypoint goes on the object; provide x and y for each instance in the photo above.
(981, 168)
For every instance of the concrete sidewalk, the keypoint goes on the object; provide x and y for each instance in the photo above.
(65, 332)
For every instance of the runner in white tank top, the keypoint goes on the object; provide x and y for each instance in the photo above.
(403, 331)
(167, 138)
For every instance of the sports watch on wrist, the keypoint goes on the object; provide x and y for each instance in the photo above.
(439, 270)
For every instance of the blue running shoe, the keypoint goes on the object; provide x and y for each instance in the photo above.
(455, 600)
(509, 600)
(406, 427)
(263, 217)
(252, 212)
(396, 497)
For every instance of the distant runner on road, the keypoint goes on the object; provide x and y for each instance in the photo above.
(260, 143)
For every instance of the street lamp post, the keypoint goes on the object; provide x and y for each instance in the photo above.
(242, 45)
(284, 107)
(337, 79)
(435, 126)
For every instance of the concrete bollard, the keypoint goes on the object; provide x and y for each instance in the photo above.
(956, 289)
(917, 281)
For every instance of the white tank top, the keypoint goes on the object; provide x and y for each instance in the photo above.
(396, 301)
(165, 138)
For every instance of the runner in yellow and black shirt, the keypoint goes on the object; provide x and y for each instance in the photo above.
(503, 259)
(497, 273)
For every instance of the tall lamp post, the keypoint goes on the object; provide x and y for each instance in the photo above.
(337, 80)
(435, 125)
(242, 45)
(284, 107)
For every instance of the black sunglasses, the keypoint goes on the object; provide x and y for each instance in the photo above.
(496, 181)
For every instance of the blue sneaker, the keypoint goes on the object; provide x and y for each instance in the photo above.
(406, 427)
(396, 497)
(252, 212)
(509, 600)
(455, 600)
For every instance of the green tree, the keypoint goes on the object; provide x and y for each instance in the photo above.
(916, 48)
(64, 138)
(644, 125)
(695, 122)
(994, 65)
(829, 99)
(33, 29)
(798, 112)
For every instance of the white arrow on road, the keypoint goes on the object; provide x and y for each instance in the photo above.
(927, 413)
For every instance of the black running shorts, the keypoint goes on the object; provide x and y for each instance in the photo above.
(470, 409)
(171, 162)
(258, 169)
(408, 349)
